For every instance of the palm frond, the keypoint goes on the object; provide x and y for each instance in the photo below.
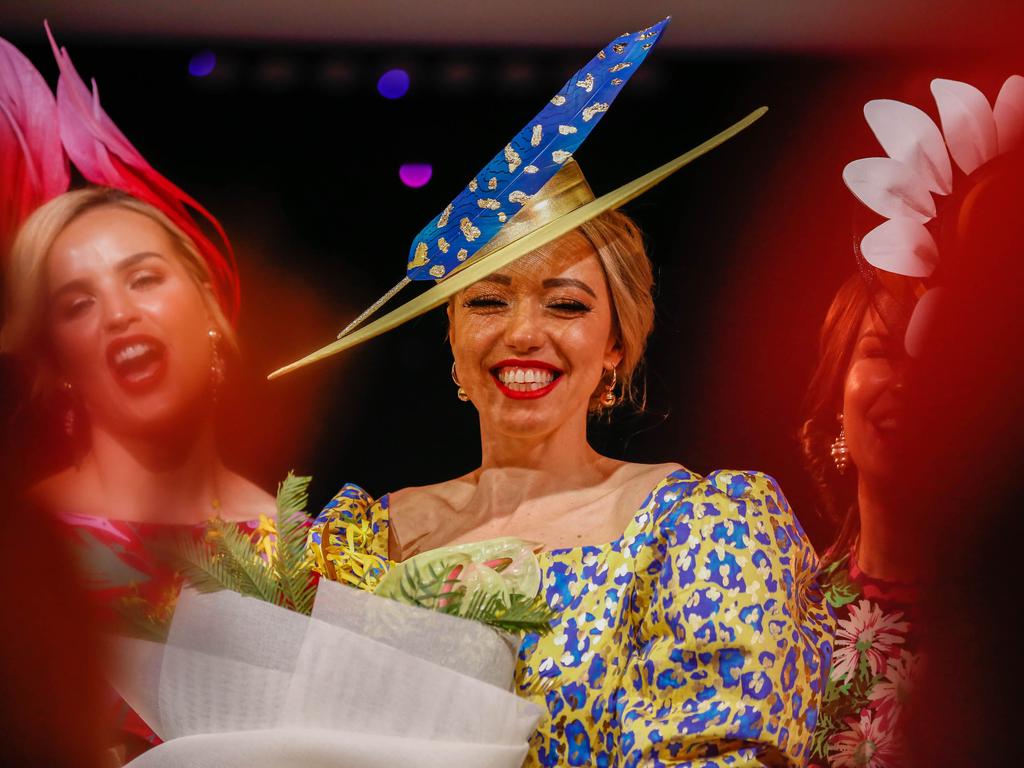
(520, 614)
(230, 558)
(196, 563)
(292, 560)
(250, 574)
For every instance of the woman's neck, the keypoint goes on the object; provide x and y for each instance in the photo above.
(166, 479)
(522, 468)
(885, 548)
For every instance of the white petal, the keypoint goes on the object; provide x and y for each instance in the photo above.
(889, 188)
(1009, 113)
(901, 246)
(967, 123)
(907, 134)
(921, 320)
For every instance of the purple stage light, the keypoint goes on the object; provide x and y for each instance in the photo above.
(393, 84)
(202, 63)
(415, 175)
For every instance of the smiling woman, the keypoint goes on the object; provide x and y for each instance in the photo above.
(689, 626)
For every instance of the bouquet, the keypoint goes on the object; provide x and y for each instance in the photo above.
(326, 675)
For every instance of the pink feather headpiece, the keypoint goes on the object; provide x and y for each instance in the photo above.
(900, 187)
(33, 167)
(76, 124)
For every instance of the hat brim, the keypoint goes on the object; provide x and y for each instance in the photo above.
(438, 294)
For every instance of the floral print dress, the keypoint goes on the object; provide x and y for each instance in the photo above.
(872, 674)
(699, 637)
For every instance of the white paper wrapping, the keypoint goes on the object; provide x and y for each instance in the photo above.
(364, 682)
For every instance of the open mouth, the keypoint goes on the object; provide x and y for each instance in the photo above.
(887, 421)
(525, 379)
(137, 362)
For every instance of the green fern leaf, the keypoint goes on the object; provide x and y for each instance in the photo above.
(251, 575)
(291, 560)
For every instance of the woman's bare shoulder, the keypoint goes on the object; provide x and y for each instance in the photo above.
(447, 493)
(632, 475)
(242, 499)
(65, 491)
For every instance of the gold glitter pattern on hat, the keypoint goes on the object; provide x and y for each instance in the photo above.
(470, 232)
(420, 257)
(512, 158)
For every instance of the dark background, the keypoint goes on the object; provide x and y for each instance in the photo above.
(290, 145)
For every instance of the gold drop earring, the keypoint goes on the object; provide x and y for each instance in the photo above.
(461, 393)
(609, 398)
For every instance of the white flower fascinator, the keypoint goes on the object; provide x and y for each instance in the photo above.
(910, 186)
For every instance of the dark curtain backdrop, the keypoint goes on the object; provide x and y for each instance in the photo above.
(296, 153)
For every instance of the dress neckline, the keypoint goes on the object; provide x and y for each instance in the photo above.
(384, 503)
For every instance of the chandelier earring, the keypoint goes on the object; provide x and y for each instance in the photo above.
(839, 451)
(216, 364)
(461, 394)
(609, 398)
(69, 414)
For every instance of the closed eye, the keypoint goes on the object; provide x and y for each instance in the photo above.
(485, 302)
(569, 305)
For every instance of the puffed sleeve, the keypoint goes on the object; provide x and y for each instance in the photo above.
(735, 639)
(348, 541)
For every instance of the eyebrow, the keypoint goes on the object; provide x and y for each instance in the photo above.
(561, 282)
(125, 264)
(497, 278)
(552, 282)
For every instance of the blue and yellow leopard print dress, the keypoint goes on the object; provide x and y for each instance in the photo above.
(700, 637)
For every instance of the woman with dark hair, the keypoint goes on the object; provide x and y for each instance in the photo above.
(854, 439)
(855, 407)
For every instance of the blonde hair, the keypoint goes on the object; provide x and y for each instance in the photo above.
(24, 330)
(620, 249)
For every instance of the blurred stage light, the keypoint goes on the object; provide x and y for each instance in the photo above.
(202, 63)
(337, 74)
(415, 175)
(458, 76)
(517, 75)
(393, 84)
(277, 72)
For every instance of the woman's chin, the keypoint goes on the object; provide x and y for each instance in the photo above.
(155, 415)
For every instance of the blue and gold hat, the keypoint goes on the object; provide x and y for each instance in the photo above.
(531, 193)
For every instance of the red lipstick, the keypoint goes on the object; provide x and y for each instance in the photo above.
(528, 394)
(138, 363)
